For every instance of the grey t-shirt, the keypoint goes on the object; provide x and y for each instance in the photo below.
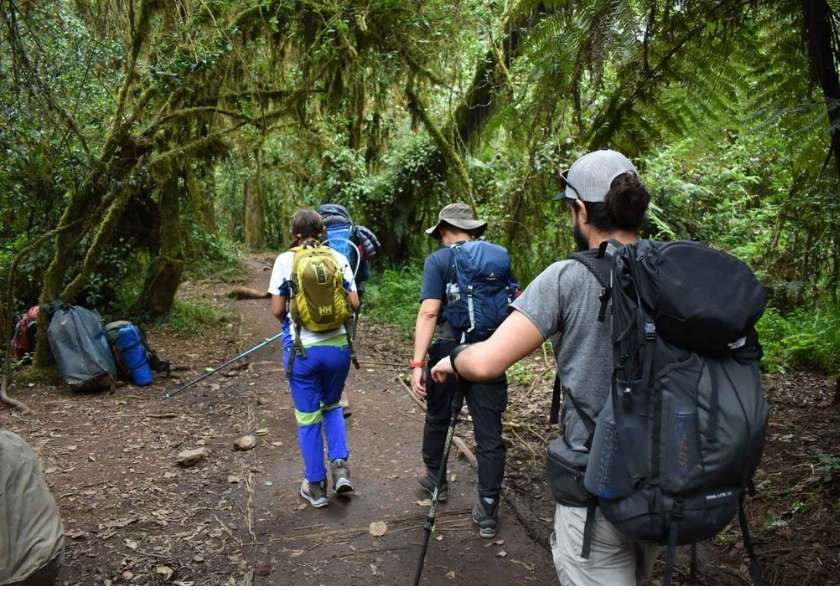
(563, 303)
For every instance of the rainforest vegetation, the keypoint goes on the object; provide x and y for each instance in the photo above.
(145, 141)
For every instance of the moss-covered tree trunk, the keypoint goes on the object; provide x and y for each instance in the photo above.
(824, 58)
(254, 212)
(201, 200)
(165, 272)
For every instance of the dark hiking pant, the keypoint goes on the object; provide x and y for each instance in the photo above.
(486, 402)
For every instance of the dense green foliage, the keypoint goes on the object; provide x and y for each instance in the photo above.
(393, 296)
(154, 138)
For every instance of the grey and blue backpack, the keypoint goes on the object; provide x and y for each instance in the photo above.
(673, 451)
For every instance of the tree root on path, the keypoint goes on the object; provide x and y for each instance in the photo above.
(9, 401)
(459, 442)
(534, 531)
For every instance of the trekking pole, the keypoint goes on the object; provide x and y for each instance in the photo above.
(265, 342)
(457, 402)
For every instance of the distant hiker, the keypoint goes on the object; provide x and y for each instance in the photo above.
(467, 287)
(313, 293)
(607, 202)
(31, 531)
(359, 245)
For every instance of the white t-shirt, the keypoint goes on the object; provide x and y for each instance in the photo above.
(279, 285)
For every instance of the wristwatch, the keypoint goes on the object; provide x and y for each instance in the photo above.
(454, 355)
(417, 364)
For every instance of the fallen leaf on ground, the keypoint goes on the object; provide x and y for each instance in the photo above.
(426, 502)
(450, 574)
(120, 522)
(296, 553)
(165, 571)
(378, 528)
(439, 538)
(496, 542)
(233, 479)
(261, 431)
(75, 534)
(133, 545)
(502, 553)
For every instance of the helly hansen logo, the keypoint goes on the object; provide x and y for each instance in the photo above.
(325, 309)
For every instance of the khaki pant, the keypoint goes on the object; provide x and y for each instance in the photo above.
(614, 559)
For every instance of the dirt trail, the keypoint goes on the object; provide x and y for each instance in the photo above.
(133, 516)
(333, 545)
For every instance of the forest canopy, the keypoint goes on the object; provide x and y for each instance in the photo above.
(144, 140)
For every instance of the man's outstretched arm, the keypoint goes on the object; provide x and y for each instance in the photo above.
(515, 339)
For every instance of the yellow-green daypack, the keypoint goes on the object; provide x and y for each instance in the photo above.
(319, 301)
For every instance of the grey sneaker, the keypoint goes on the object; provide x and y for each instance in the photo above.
(485, 514)
(341, 477)
(315, 492)
(427, 482)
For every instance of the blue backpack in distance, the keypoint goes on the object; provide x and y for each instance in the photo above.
(478, 302)
(133, 355)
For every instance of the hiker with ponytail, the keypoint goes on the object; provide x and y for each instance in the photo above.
(313, 293)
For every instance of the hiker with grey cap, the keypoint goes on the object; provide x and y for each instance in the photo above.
(606, 201)
(466, 292)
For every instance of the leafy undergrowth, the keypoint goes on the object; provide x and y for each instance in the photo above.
(392, 296)
(195, 317)
(806, 338)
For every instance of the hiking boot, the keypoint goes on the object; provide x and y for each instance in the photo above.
(485, 514)
(315, 492)
(341, 477)
(427, 482)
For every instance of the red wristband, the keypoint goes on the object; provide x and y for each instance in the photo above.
(417, 364)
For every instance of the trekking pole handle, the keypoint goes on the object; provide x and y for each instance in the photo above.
(222, 366)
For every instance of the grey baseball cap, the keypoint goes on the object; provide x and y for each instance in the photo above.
(590, 177)
(461, 216)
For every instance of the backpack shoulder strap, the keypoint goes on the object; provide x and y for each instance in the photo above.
(599, 263)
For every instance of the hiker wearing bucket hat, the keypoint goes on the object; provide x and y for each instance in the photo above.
(467, 287)
(607, 202)
(458, 216)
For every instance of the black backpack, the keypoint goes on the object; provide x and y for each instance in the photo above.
(675, 447)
